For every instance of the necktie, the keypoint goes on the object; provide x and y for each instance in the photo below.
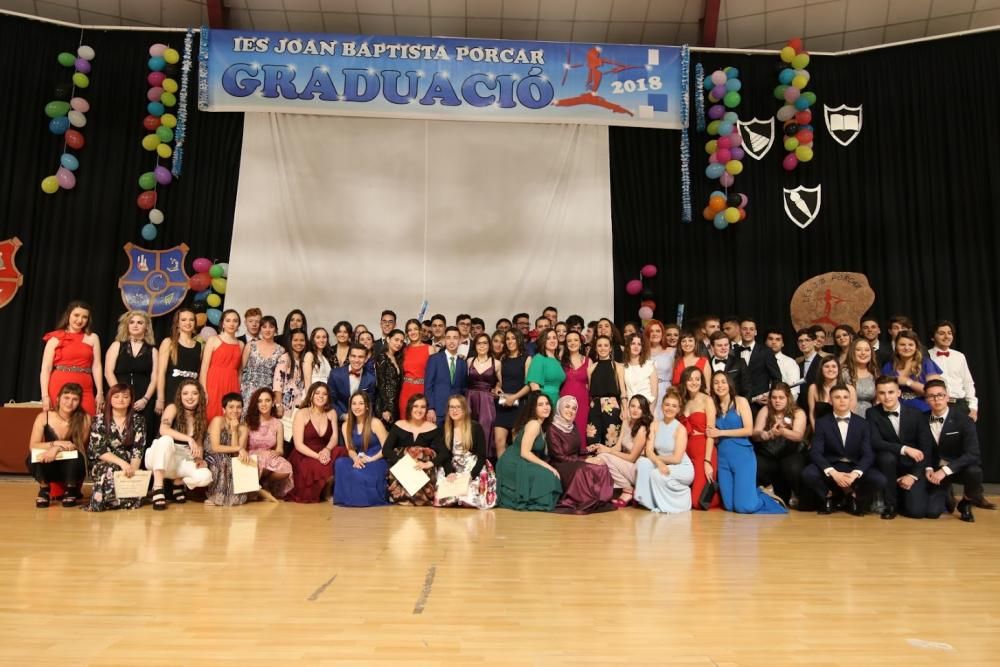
(937, 420)
(943, 353)
(451, 368)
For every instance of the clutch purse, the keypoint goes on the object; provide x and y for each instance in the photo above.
(707, 493)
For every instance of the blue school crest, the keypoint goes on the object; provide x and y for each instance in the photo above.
(155, 281)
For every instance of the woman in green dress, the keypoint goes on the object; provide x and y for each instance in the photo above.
(546, 373)
(524, 479)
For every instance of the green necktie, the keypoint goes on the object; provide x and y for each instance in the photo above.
(451, 369)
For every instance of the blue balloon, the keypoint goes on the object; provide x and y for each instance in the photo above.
(149, 232)
(214, 316)
(715, 170)
(69, 161)
(730, 116)
(802, 103)
(59, 125)
(786, 76)
(201, 296)
(708, 83)
(732, 73)
(156, 63)
(725, 128)
(720, 221)
(718, 193)
(155, 109)
(733, 84)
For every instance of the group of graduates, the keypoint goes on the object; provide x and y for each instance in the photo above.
(568, 416)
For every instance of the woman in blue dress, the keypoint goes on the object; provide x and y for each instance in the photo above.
(361, 475)
(913, 369)
(737, 474)
(665, 474)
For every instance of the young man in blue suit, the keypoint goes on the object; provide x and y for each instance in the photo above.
(346, 380)
(842, 458)
(445, 376)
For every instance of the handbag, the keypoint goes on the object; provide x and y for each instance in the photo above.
(707, 493)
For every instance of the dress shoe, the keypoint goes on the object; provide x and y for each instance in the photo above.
(982, 503)
(965, 510)
(854, 507)
(889, 512)
(827, 507)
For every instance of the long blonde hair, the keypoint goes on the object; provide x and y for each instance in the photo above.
(122, 335)
(351, 424)
(464, 428)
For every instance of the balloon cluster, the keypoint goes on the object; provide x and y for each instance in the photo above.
(209, 283)
(634, 288)
(159, 123)
(726, 209)
(725, 154)
(67, 113)
(795, 114)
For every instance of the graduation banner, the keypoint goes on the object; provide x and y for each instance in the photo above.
(441, 78)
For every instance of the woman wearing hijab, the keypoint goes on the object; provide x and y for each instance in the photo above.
(586, 482)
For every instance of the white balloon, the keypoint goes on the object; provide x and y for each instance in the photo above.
(85, 52)
(155, 216)
(77, 119)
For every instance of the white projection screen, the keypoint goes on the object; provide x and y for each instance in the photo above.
(342, 217)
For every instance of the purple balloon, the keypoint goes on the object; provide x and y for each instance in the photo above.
(737, 153)
(719, 92)
(716, 111)
(82, 66)
(163, 175)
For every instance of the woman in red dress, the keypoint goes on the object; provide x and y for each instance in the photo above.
(686, 356)
(415, 356)
(220, 364)
(698, 413)
(316, 447)
(73, 354)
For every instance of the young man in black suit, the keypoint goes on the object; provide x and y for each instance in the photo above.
(902, 442)
(870, 331)
(842, 458)
(722, 360)
(762, 365)
(809, 364)
(955, 457)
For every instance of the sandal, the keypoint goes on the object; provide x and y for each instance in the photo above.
(159, 500)
(620, 502)
(43, 499)
(70, 497)
(177, 494)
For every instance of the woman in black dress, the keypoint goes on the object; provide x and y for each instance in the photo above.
(513, 369)
(132, 360)
(179, 359)
(55, 433)
(389, 377)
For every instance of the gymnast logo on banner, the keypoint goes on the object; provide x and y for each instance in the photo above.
(155, 281)
(802, 204)
(10, 278)
(758, 136)
(843, 123)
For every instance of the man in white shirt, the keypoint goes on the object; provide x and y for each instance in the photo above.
(790, 373)
(954, 371)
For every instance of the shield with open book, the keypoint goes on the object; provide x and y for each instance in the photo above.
(843, 123)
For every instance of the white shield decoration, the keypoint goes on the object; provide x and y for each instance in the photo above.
(802, 204)
(758, 136)
(843, 123)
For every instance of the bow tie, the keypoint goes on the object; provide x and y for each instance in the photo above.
(719, 361)
(843, 419)
(943, 353)
(891, 414)
(356, 374)
(938, 420)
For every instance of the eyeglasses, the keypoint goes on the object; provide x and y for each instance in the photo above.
(935, 397)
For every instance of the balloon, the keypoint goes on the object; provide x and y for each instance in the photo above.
(804, 136)
(56, 108)
(724, 142)
(791, 130)
(633, 287)
(718, 92)
(716, 111)
(733, 199)
(82, 65)
(225, 269)
(733, 85)
(171, 56)
(202, 295)
(164, 151)
(156, 216)
(86, 52)
(81, 80)
(77, 119)
(713, 158)
(714, 170)
(790, 162)
(800, 81)
(200, 281)
(716, 203)
(150, 142)
(645, 313)
(66, 178)
(779, 92)
(811, 96)
(792, 94)
(50, 184)
(726, 180)
(153, 94)
(718, 78)
(201, 265)
(725, 127)
(737, 153)
(200, 319)
(648, 303)
(219, 285)
(787, 54)
(720, 221)
(157, 49)
(713, 127)
(62, 91)
(214, 315)
(804, 153)
(734, 167)
(744, 200)
(213, 300)
(155, 79)
(148, 232)
(786, 112)
(165, 133)
(66, 59)
(791, 143)
(802, 103)
(168, 99)
(163, 175)
(146, 200)
(707, 213)
(722, 155)
(735, 139)
(215, 271)
(711, 146)
(74, 139)
(169, 120)
(647, 271)
(207, 331)
(731, 116)
(804, 117)
(795, 43)
(151, 123)
(147, 181)
(155, 108)
(69, 161)
(732, 72)
(156, 63)
(732, 99)
(58, 125)
(800, 61)
(170, 85)
(732, 214)
(708, 83)
(786, 76)
(79, 104)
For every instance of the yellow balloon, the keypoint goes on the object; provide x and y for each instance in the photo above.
(213, 300)
(50, 184)
(734, 167)
(171, 56)
(732, 214)
(168, 120)
(150, 142)
(800, 61)
(169, 85)
(787, 54)
(219, 285)
(711, 146)
(164, 150)
(804, 153)
(800, 82)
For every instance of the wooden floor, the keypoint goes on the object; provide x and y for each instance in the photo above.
(288, 584)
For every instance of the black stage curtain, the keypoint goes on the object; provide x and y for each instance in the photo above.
(73, 239)
(912, 203)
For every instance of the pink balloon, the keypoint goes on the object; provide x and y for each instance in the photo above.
(790, 162)
(79, 104)
(66, 178)
(154, 94)
(723, 155)
(645, 313)
(736, 139)
(725, 142)
(633, 287)
(155, 78)
(744, 200)
(157, 49)
(791, 94)
(718, 77)
(208, 332)
(727, 179)
(648, 271)
(713, 158)
(202, 265)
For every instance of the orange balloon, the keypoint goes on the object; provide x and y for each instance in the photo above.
(200, 320)
(717, 203)
(708, 213)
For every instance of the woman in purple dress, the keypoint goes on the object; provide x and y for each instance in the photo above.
(577, 382)
(484, 386)
(586, 482)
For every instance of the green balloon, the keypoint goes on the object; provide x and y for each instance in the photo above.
(811, 96)
(147, 181)
(165, 134)
(66, 59)
(732, 99)
(81, 80)
(168, 99)
(216, 271)
(56, 108)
